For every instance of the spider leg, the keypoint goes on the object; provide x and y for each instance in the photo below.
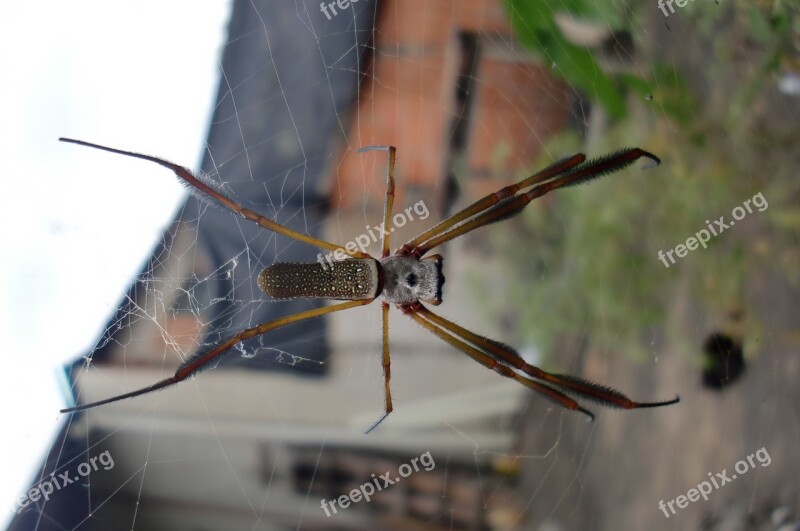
(417, 313)
(391, 152)
(600, 394)
(513, 205)
(482, 204)
(389, 203)
(387, 371)
(208, 190)
(200, 361)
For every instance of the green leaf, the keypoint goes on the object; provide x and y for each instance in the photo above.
(600, 12)
(536, 29)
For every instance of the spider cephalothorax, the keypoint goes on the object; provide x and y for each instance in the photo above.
(406, 279)
(409, 279)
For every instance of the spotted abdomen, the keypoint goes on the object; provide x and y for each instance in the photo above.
(351, 279)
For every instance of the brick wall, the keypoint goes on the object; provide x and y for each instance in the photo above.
(409, 98)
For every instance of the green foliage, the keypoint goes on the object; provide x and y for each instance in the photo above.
(587, 257)
(590, 261)
(535, 27)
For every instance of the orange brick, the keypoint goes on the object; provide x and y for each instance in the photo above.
(518, 105)
(407, 99)
(414, 23)
(482, 16)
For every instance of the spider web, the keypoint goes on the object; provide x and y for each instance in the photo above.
(260, 439)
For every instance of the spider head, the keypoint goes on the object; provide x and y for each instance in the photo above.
(408, 279)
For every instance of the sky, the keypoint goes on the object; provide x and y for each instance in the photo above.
(79, 224)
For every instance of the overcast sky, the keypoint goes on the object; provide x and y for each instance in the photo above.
(78, 224)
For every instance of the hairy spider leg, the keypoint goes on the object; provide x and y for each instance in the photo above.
(387, 369)
(513, 205)
(491, 363)
(200, 361)
(501, 352)
(482, 204)
(208, 189)
(388, 205)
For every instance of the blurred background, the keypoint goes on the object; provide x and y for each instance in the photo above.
(117, 275)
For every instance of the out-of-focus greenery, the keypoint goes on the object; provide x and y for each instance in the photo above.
(535, 26)
(771, 24)
(586, 259)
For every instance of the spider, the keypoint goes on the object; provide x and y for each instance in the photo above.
(406, 278)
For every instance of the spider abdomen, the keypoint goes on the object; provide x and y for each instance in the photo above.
(351, 279)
